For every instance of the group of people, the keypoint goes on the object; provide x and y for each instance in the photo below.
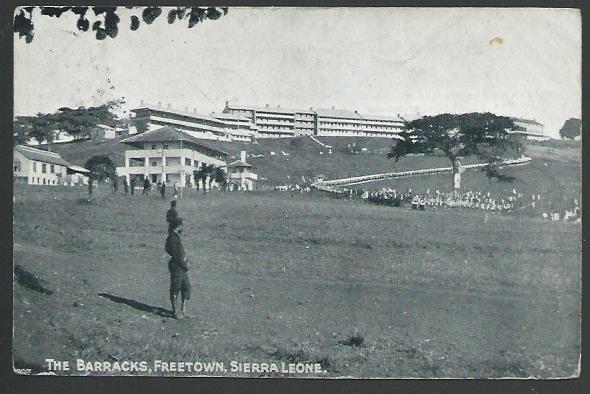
(468, 199)
(147, 187)
(291, 188)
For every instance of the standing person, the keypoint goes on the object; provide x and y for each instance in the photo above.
(125, 185)
(175, 192)
(115, 184)
(178, 268)
(146, 186)
(163, 190)
(133, 185)
(90, 187)
(172, 214)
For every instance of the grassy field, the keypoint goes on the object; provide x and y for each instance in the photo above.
(284, 277)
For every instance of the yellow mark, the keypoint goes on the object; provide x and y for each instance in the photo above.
(496, 40)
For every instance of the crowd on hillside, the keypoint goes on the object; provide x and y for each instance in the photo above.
(469, 199)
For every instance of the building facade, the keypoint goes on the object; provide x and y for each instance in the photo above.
(529, 128)
(277, 122)
(222, 127)
(167, 155)
(38, 167)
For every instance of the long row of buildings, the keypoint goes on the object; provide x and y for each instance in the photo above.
(246, 123)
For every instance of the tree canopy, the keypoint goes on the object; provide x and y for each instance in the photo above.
(484, 135)
(101, 167)
(77, 122)
(571, 129)
(105, 20)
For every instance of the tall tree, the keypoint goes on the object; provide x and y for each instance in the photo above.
(220, 177)
(484, 135)
(203, 174)
(105, 20)
(78, 122)
(101, 167)
(571, 129)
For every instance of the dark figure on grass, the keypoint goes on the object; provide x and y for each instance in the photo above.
(115, 184)
(163, 190)
(90, 188)
(132, 185)
(172, 214)
(178, 268)
(146, 186)
(125, 186)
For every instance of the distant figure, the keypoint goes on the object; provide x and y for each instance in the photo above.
(89, 188)
(125, 186)
(175, 192)
(172, 214)
(133, 186)
(178, 268)
(115, 184)
(146, 186)
(163, 190)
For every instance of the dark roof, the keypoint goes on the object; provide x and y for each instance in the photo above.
(41, 155)
(195, 115)
(168, 133)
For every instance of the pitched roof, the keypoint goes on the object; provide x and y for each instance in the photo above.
(177, 112)
(169, 133)
(269, 109)
(239, 163)
(41, 155)
(337, 113)
(531, 121)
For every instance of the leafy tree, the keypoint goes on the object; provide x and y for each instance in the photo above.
(78, 122)
(105, 21)
(571, 129)
(140, 123)
(203, 173)
(220, 177)
(101, 167)
(459, 135)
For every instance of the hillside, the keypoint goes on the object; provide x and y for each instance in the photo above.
(556, 161)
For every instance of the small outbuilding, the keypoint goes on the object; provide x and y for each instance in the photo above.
(241, 175)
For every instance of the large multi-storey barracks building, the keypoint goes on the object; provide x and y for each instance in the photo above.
(245, 123)
(281, 122)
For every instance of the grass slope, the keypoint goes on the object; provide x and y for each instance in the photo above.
(281, 277)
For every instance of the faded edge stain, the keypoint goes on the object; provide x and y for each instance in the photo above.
(496, 40)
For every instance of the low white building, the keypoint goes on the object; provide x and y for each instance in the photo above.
(530, 128)
(167, 155)
(240, 175)
(38, 167)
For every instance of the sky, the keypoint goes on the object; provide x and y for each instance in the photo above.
(387, 61)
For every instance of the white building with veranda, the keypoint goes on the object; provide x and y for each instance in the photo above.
(38, 167)
(167, 155)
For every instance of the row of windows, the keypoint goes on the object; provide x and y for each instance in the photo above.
(187, 162)
(45, 181)
(357, 126)
(43, 168)
(350, 132)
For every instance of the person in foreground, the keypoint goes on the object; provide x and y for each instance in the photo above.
(178, 268)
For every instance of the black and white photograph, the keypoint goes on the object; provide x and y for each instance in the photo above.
(297, 192)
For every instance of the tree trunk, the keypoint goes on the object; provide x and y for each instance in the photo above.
(456, 176)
